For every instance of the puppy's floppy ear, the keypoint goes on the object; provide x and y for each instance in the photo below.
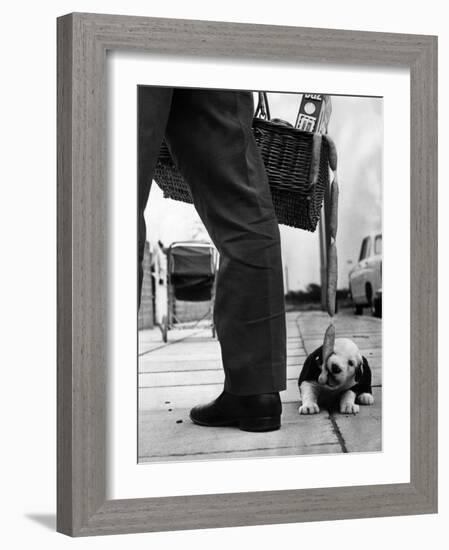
(359, 368)
(311, 369)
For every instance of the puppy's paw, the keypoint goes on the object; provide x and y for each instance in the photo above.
(365, 399)
(309, 408)
(349, 408)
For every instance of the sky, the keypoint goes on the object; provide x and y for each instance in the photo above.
(356, 126)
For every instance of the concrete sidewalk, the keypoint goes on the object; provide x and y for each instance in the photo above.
(186, 371)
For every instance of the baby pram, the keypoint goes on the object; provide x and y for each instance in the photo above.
(191, 275)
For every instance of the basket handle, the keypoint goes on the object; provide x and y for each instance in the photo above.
(263, 111)
(263, 108)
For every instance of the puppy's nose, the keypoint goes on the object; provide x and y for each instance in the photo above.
(322, 378)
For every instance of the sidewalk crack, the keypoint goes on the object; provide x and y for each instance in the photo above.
(337, 432)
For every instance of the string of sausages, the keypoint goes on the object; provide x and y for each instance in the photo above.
(332, 263)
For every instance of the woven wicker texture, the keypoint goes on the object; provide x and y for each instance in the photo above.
(287, 154)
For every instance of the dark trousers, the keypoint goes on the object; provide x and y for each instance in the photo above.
(210, 139)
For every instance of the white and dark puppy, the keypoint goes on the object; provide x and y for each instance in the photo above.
(345, 379)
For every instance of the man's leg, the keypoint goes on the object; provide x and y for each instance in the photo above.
(210, 137)
(153, 110)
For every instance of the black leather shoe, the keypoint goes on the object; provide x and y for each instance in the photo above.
(251, 413)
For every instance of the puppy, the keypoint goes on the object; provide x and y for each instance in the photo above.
(345, 379)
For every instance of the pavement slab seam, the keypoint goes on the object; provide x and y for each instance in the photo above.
(337, 432)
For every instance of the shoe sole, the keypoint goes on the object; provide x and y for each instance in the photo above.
(259, 424)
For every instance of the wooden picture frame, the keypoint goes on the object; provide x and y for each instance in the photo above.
(83, 40)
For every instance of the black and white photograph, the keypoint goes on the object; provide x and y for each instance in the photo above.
(206, 342)
(259, 273)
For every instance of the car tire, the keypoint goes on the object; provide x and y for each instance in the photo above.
(358, 310)
(376, 307)
(369, 294)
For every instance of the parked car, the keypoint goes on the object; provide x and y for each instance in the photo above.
(365, 278)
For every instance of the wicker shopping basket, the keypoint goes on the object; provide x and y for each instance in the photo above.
(297, 165)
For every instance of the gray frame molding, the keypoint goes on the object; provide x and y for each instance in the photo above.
(83, 40)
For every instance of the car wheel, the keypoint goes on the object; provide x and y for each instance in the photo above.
(376, 307)
(358, 310)
(369, 294)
